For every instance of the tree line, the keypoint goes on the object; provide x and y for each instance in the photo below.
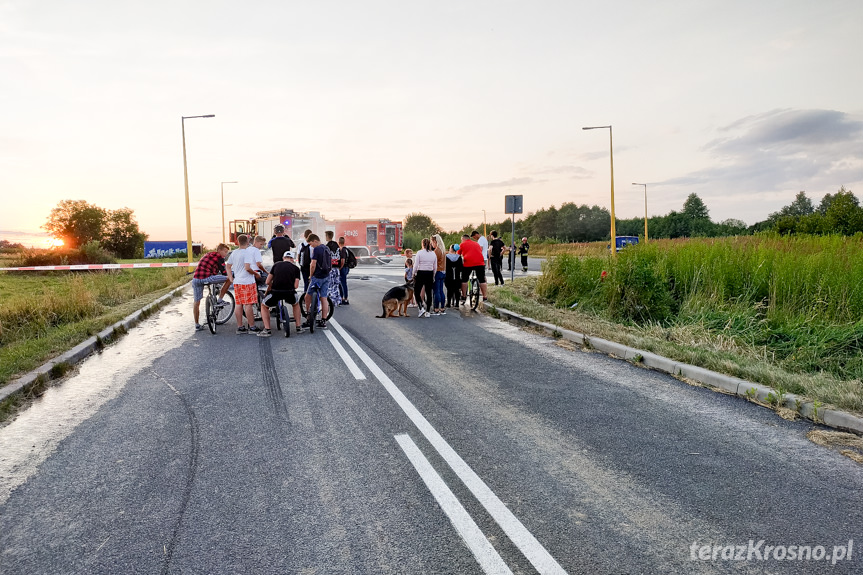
(838, 213)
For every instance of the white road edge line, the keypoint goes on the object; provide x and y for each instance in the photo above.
(485, 554)
(532, 549)
(349, 361)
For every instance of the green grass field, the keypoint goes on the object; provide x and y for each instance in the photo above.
(785, 312)
(43, 314)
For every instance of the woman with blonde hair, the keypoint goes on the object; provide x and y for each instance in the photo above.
(440, 275)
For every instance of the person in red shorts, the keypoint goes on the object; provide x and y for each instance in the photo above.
(244, 266)
(471, 253)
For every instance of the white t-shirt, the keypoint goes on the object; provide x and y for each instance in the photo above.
(251, 255)
(232, 260)
(483, 243)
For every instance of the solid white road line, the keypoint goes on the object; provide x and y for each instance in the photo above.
(538, 556)
(349, 361)
(486, 555)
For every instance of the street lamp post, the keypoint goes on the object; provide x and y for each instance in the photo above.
(645, 209)
(186, 182)
(223, 209)
(611, 155)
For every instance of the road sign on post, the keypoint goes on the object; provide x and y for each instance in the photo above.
(514, 205)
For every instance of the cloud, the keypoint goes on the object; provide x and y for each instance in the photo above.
(787, 130)
(780, 150)
(505, 184)
(574, 172)
(20, 233)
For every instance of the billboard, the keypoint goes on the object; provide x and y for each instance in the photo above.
(168, 249)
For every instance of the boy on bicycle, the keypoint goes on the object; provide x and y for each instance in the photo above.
(282, 284)
(320, 265)
(210, 270)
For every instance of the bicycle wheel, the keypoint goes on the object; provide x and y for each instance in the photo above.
(210, 310)
(224, 313)
(285, 317)
(310, 317)
(278, 315)
(474, 293)
(332, 307)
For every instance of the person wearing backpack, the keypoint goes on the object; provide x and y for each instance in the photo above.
(349, 261)
(336, 265)
(305, 255)
(319, 279)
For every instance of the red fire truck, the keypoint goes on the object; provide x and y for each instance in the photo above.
(381, 237)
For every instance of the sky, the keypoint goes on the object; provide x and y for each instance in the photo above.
(379, 109)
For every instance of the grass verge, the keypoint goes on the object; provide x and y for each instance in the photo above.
(693, 343)
(43, 314)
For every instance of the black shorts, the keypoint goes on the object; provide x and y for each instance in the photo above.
(273, 298)
(480, 273)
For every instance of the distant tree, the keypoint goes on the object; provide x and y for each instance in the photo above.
(844, 215)
(421, 224)
(695, 209)
(79, 223)
(76, 222)
(122, 235)
(801, 206)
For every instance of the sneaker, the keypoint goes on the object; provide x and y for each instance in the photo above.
(346, 302)
(425, 314)
(321, 324)
(242, 329)
(300, 329)
(221, 303)
(435, 313)
(442, 312)
(199, 327)
(265, 333)
(255, 329)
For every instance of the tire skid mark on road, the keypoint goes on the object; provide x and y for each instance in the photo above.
(271, 379)
(194, 451)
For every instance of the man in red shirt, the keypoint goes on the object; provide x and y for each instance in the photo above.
(211, 269)
(471, 253)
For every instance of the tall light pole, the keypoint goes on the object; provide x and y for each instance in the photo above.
(484, 225)
(611, 155)
(223, 209)
(186, 182)
(645, 209)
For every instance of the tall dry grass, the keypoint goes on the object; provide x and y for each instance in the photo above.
(66, 298)
(796, 302)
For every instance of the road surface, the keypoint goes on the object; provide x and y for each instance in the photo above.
(453, 444)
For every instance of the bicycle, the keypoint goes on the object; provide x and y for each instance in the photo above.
(473, 292)
(316, 305)
(218, 314)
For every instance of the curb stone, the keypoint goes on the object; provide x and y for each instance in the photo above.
(734, 385)
(83, 349)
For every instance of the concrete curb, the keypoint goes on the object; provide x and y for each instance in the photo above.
(733, 385)
(83, 349)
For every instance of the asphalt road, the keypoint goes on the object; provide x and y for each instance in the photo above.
(452, 444)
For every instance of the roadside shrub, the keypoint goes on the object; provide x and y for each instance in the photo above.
(89, 253)
(638, 288)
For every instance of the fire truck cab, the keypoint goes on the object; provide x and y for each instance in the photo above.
(381, 236)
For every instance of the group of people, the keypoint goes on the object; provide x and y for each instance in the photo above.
(323, 268)
(435, 266)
